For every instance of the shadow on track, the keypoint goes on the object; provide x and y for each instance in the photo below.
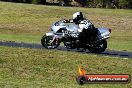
(112, 53)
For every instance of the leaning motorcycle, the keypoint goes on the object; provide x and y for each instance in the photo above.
(67, 33)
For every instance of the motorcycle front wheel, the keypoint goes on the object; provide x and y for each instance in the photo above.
(98, 47)
(49, 43)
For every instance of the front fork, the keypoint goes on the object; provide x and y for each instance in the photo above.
(55, 39)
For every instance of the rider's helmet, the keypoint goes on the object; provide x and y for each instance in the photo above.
(77, 17)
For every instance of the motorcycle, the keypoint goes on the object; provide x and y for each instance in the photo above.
(68, 34)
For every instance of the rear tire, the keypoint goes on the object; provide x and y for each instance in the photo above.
(98, 47)
(45, 41)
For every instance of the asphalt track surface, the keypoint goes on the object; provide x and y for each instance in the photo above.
(111, 53)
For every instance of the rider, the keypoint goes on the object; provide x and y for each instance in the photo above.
(87, 31)
(84, 24)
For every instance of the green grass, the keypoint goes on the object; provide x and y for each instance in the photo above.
(31, 68)
(120, 41)
(20, 38)
(121, 46)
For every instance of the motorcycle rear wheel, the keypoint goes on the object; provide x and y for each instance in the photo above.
(99, 47)
(46, 42)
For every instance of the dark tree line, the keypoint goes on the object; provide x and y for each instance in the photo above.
(110, 3)
(87, 3)
(27, 1)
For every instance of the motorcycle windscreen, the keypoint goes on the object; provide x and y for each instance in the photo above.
(72, 27)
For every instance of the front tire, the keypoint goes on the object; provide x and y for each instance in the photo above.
(46, 42)
(98, 47)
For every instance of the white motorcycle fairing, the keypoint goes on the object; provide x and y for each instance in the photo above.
(50, 34)
(68, 26)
